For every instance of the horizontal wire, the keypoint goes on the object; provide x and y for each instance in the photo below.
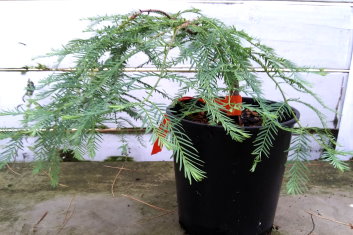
(137, 130)
(130, 130)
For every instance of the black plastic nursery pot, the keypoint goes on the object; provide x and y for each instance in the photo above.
(231, 200)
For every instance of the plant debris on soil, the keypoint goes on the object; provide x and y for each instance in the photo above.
(248, 118)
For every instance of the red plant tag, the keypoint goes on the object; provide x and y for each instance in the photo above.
(233, 99)
(156, 148)
(228, 102)
(162, 127)
(185, 98)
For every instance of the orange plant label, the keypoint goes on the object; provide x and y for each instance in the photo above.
(162, 127)
(233, 99)
(228, 102)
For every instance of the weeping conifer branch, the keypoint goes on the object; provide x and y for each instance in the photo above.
(99, 90)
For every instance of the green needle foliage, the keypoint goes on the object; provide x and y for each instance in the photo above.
(67, 106)
(298, 171)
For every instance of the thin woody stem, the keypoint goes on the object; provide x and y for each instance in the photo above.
(235, 91)
(149, 11)
(183, 26)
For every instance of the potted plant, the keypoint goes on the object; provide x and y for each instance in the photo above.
(229, 151)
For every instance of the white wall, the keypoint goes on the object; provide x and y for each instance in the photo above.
(318, 35)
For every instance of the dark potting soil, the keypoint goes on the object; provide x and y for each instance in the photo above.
(200, 117)
(250, 118)
(247, 118)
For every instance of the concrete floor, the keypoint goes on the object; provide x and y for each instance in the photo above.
(84, 203)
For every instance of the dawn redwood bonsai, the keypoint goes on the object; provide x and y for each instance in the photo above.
(67, 106)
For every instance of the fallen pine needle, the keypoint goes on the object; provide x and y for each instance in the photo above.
(66, 220)
(116, 167)
(34, 230)
(150, 205)
(115, 178)
(68, 208)
(12, 170)
(67, 215)
(330, 219)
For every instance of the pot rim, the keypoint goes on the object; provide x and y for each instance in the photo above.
(286, 123)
